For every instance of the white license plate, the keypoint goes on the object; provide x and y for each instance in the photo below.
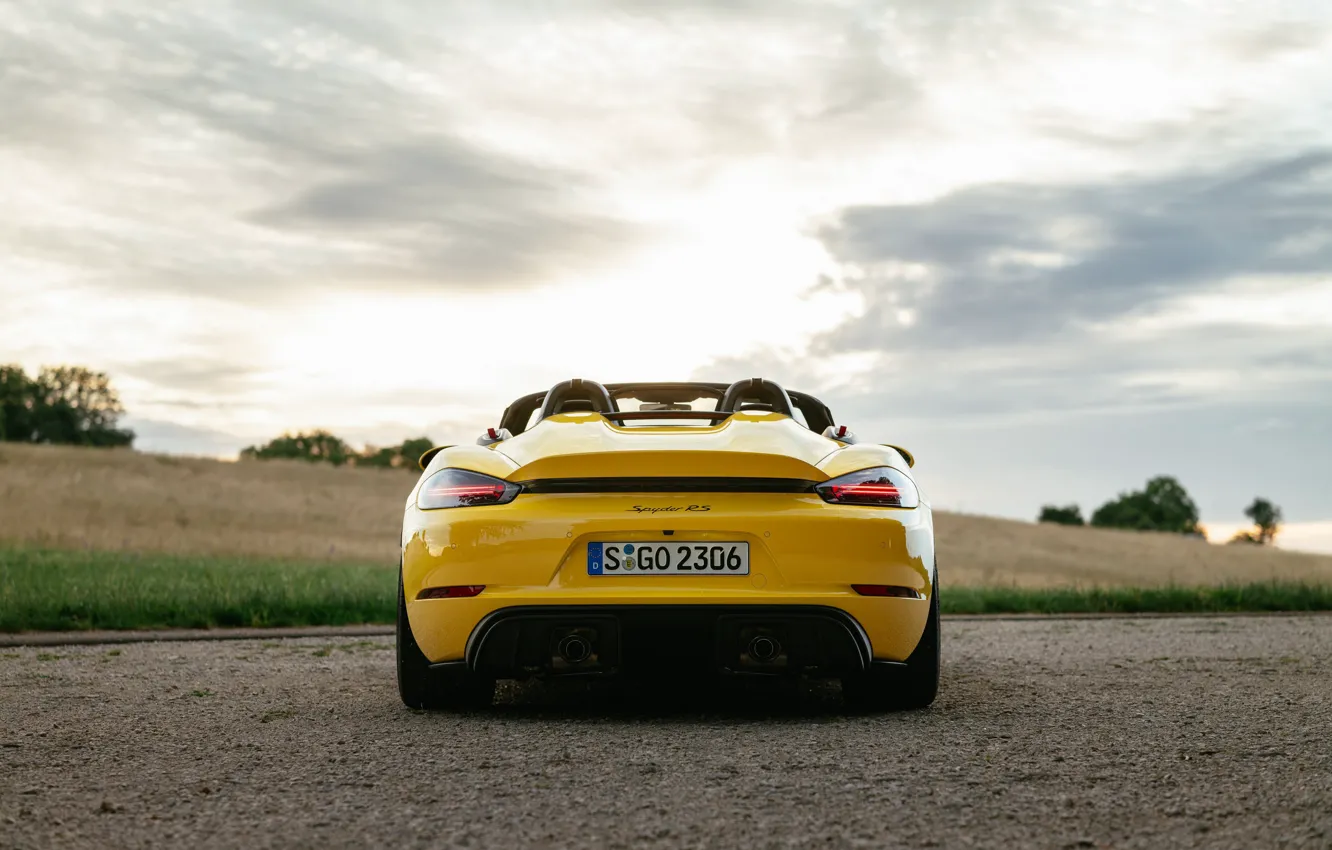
(668, 559)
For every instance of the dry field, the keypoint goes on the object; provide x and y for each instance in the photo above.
(102, 499)
(67, 497)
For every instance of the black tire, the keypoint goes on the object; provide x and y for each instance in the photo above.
(902, 688)
(421, 687)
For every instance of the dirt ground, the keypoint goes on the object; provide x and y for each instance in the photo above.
(1209, 732)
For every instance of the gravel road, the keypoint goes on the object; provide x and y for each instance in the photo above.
(1102, 733)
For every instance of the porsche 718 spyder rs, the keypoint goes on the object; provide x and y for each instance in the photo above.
(637, 528)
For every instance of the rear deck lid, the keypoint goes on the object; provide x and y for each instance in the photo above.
(584, 445)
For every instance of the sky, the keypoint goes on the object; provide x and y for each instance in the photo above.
(1054, 248)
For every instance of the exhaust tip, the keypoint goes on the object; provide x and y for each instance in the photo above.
(574, 649)
(764, 648)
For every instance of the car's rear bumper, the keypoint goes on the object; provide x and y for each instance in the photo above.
(515, 627)
(763, 640)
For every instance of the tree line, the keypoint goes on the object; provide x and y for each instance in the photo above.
(322, 447)
(67, 405)
(1164, 505)
(74, 405)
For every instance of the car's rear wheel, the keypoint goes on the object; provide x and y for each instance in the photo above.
(914, 685)
(421, 687)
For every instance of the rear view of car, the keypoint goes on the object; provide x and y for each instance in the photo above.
(634, 529)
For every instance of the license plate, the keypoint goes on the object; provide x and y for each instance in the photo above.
(668, 559)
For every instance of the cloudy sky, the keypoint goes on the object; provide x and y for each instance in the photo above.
(1053, 247)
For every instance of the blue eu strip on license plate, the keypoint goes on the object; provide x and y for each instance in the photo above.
(594, 559)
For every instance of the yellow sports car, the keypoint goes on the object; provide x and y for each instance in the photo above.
(637, 529)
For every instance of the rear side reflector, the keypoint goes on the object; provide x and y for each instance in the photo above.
(462, 591)
(893, 590)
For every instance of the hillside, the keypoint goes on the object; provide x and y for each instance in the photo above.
(113, 499)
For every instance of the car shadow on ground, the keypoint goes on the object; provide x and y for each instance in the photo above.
(966, 689)
(684, 700)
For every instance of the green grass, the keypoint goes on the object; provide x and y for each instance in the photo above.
(1235, 598)
(45, 590)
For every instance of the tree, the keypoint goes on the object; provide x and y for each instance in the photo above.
(16, 398)
(413, 449)
(69, 405)
(316, 446)
(322, 446)
(78, 406)
(402, 456)
(1066, 515)
(1163, 505)
(384, 458)
(1267, 521)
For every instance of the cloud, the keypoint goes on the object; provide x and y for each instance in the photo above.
(1016, 263)
(258, 151)
(191, 374)
(1279, 39)
(441, 212)
(155, 435)
(248, 155)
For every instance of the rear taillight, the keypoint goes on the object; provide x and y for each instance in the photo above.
(882, 486)
(462, 488)
(462, 591)
(871, 493)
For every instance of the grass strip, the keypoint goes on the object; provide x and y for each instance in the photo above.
(49, 590)
(45, 590)
(1167, 599)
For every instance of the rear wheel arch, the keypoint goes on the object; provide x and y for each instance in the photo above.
(910, 685)
(423, 687)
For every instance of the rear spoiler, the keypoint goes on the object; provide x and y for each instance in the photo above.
(906, 455)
